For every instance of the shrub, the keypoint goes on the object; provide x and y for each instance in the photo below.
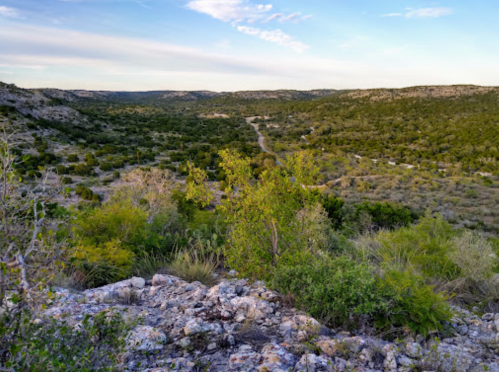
(335, 291)
(474, 255)
(386, 215)
(192, 266)
(423, 247)
(73, 158)
(334, 209)
(86, 193)
(413, 304)
(82, 170)
(67, 180)
(55, 345)
(471, 194)
(105, 167)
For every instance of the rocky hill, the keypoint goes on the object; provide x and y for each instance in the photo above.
(237, 326)
(421, 92)
(36, 104)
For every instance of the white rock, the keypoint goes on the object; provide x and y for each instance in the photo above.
(146, 338)
(138, 283)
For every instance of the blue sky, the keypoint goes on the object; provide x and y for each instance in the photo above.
(227, 45)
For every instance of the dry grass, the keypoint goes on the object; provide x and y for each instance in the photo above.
(194, 267)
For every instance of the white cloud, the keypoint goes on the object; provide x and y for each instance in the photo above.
(294, 17)
(273, 17)
(422, 13)
(275, 36)
(230, 10)
(428, 12)
(8, 12)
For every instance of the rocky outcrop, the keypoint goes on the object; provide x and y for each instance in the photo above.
(444, 91)
(35, 104)
(242, 326)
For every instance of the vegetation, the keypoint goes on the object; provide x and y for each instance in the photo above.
(380, 217)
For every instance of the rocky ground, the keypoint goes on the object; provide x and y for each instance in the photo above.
(238, 326)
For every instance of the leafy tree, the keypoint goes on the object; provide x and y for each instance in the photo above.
(274, 221)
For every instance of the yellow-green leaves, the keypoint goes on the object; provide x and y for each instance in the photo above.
(196, 188)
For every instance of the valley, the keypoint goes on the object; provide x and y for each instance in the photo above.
(249, 231)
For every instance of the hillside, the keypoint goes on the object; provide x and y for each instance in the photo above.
(322, 230)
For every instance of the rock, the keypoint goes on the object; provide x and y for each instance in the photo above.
(108, 296)
(414, 350)
(407, 362)
(195, 326)
(276, 358)
(488, 317)
(176, 365)
(314, 363)
(328, 347)
(161, 280)
(146, 338)
(244, 360)
(235, 326)
(240, 318)
(450, 358)
(390, 352)
(138, 283)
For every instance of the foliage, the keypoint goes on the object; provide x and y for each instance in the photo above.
(334, 209)
(335, 291)
(55, 345)
(86, 193)
(193, 266)
(273, 220)
(423, 247)
(413, 305)
(386, 215)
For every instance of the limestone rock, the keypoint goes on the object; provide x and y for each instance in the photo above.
(146, 338)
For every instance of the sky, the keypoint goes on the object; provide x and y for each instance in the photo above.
(230, 45)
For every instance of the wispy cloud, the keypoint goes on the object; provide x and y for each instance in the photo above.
(230, 10)
(8, 12)
(293, 17)
(28, 48)
(275, 36)
(422, 13)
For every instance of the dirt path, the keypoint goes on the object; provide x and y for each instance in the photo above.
(261, 138)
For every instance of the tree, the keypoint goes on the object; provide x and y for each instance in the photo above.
(29, 250)
(275, 220)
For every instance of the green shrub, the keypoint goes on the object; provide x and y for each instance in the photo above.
(335, 291)
(471, 194)
(73, 158)
(192, 266)
(86, 193)
(423, 247)
(334, 209)
(386, 215)
(54, 345)
(413, 304)
(105, 167)
(67, 181)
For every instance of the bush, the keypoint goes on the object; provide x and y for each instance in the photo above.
(335, 291)
(73, 158)
(474, 256)
(105, 167)
(386, 215)
(85, 193)
(55, 345)
(67, 181)
(192, 266)
(423, 247)
(413, 304)
(334, 209)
